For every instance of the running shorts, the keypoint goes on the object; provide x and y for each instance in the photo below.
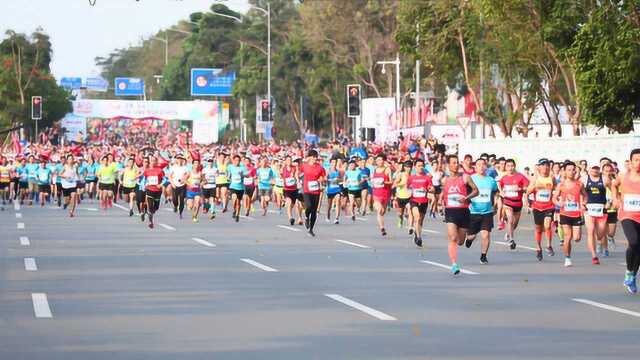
(106, 187)
(127, 191)
(291, 194)
(209, 193)
(457, 216)
(514, 208)
(249, 190)
(24, 185)
(264, 192)
(612, 217)
(571, 221)
(238, 193)
(43, 188)
(355, 193)
(480, 222)
(68, 192)
(192, 194)
(422, 207)
(403, 202)
(331, 196)
(540, 215)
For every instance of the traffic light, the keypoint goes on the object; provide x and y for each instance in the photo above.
(353, 100)
(265, 107)
(36, 107)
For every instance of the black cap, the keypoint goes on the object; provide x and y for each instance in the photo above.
(543, 161)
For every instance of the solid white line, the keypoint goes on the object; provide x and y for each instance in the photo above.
(20, 225)
(361, 218)
(517, 246)
(288, 228)
(247, 217)
(353, 244)
(259, 266)
(24, 241)
(18, 215)
(41, 305)
(468, 272)
(608, 307)
(430, 231)
(203, 242)
(121, 207)
(365, 309)
(16, 206)
(167, 227)
(30, 264)
(91, 209)
(273, 211)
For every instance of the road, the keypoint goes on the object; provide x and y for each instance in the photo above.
(104, 286)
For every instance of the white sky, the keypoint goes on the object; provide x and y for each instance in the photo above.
(80, 32)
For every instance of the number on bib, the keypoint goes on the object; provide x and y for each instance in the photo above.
(595, 210)
(313, 185)
(631, 202)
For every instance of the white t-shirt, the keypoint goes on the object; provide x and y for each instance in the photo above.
(178, 175)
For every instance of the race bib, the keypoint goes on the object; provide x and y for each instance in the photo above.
(289, 181)
(483, 197)
(595, 210)
(210, 178)
(313, 185)
(236, 178)
(129, 183)
(264, 177)
(378, 183)
(152, 180)
(248, 181)
(543, 195)
(454, 200)
(631, 202)
(570, 206)
(419, 193)
(511, 191)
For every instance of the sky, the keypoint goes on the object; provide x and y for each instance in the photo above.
(80, 32)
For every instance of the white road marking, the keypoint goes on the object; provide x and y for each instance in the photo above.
(30, 264)
(468, 272)
(203, 242)
(247, 217)
(288, 228)
(171, 228)
(361, 218)
(259, 266)
(430, 231)
(365, 309)
(167, 209)
(91, 209)
(608, 307)
(517, 246)
(24, 241)
(121, 207)
(16, 206)
(18, 215)
(41, 305)
(353, 244)
(273, 211)
(20, 225)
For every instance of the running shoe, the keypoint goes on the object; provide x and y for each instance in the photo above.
(630, 282)
(337, 221)
(417, 240)
(311, 233)
(131, 212)
(567, 262)
(328, 220)
(512, 244)
(142, 217)
(306, 223)
(194, 219)
(455, 269)
(212, 216)
(237, 218)
(353, 218)
(291, 221)
(501, 225)
(612, 242)
(150, 225)
(595, 261)
(410, 231)
(598, 248)
(539, 255)
(399, 223)
(550, 251)
(468, 243)
(383, 232)
(483, 259)
(606, 252)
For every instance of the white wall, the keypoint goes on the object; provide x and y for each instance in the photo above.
(526, 152)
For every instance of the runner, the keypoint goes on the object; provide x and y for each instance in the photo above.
(458, 189)
(354, 179)
(249, 185)
(313, 176)
(222, 181)
(178, 175)
(420, 185)
(209, 174)
(289, 174)
(541, 187)
(365, 191)
(106, 182)
(569, 196)
(69, 177)
(512, 186)
(236, 172)
(90, 178)
(153, 186)
(5, 181)
(595, 216)
(626, 198)
(334, 189)
(381, 190)
(43, 176)
(128, 177)
(403, 195)
(193, 191)
(482, 209)
(612, 212)
(437, 175)
(141, 203)
(266, 179)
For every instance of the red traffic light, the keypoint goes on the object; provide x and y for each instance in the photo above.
(265, 104)
(353, 91)
(36, 100)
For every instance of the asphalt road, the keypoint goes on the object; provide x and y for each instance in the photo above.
(104, 286)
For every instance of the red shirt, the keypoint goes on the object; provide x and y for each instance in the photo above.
(513, 186)
(454, 191)
(153, 179)
(249, 179)
(419, 185)
(288, 176)
(312, 173)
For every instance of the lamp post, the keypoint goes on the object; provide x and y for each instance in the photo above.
(166, 42)
(395, 62)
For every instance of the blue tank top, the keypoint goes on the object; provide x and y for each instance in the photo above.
(596, 191)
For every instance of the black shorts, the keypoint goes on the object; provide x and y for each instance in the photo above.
(106, 187)
(458, 216)
(91, 181)
(140, 195)
(155, 195)
(238, 193)
(514, 208)
(291, 194)
(249, 190)
(422, 207)
(209, 193)
(540, 215)
(3, 186)
(331, 196)
(24, 185)
(571, 221)
(69, 191)
(344, 192)
(127, 191)
(438, 189)
(403, 202)
(356, 193)
(225, 185)
(300, 196)
(612, 217)
(480, 222)
(44, 188)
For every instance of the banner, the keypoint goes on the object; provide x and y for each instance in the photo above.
(71, 83)
(75, 126)
(129, 86)
(211, 82)
(97, 84)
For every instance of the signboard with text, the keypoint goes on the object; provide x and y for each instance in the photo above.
(211, 82)
(129, 86)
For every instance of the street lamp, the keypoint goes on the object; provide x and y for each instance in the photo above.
(395, 62)
(166, 42)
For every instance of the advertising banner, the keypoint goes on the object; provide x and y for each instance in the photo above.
(97, 84)
(75, 126)
(211, 82)
(129, 86)
(71, 83)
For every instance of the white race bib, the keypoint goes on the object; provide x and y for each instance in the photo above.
(570, 206)
(248, 181)
(454, 200)
(511, 191)
(264, 176)
(483, 197)
(289, 181)
(419, 193)
(631, 202)
(543, 195)
(595, 210)
(236, 178)
(152, 180)
(378, 183)
(313, 185)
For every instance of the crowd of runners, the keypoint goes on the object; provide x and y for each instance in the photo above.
(340, 183)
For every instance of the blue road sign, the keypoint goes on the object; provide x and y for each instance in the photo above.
(129, 86)
(211, 82)
(71, 83)
(97, 84)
